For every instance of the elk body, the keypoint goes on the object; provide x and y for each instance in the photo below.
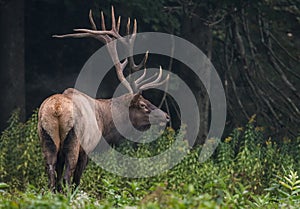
(71, 124)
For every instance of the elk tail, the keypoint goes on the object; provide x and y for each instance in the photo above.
(49, 134)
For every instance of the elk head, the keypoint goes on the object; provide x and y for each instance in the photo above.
(143, 113)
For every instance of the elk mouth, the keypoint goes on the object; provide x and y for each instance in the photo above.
(159, 118)
(159, 121)
(162, 124)
(144, 127)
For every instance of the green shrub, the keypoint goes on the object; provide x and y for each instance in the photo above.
(21, 161)
(246, 171)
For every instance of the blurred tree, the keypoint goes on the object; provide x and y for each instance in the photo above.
(12, 89)
(258, 56)
(253, 44)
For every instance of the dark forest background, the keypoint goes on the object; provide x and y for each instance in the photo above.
(254, 45)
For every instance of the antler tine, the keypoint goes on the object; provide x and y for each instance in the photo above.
(102, 21)
(92, 20)
(135, 67)
(131, 41)
(141, 77)
(118, 24)
(114, 27)
(77, 35)
(139, 84)
(134, 27)
(147, 86)
(158, 77)
(113, 19)
(128, 27)
(155, 83)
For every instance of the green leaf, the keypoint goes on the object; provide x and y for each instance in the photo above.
(284, 193)
(296, 192)
(289, 179)
(285, 185)
(3, 185)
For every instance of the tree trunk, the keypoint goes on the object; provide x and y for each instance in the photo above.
(12, 80)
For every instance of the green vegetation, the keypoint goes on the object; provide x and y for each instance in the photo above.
(247, 170)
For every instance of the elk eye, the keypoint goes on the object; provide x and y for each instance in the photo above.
(143, 106)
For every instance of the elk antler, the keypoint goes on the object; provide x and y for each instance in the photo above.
(107, 37)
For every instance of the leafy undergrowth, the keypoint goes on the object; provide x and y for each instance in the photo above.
(247, 170)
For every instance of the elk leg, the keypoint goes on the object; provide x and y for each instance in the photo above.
(70, 161)
(50, 155)
(51, 176)
(71, 151)
(59, 170)
(81, 165)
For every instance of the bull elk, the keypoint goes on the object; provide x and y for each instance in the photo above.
(70, 124)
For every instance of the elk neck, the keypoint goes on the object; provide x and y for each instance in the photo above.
(106, 119)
